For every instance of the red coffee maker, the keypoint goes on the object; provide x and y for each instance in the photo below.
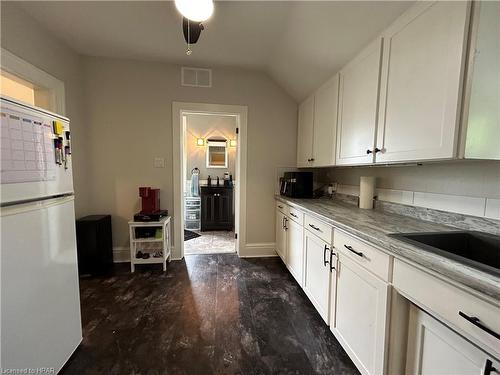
(150, 205)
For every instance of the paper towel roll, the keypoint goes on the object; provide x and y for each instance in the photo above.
(366, 192)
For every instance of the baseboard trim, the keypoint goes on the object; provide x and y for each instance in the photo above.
(250, 250)
(258, 250)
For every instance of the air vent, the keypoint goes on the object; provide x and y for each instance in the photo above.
(196, 77)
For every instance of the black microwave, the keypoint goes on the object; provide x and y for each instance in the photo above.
(297, 185)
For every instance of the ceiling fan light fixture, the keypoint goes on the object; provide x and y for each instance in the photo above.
(195, 10)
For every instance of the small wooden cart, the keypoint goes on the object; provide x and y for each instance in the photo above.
(147, 244)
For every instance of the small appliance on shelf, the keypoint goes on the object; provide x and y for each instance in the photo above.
(150, 205)
(297, 185)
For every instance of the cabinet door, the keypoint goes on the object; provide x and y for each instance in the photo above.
(280, 235)
(482, 122)
(295, 253)
(305, 133)
(424, 52)
(224, 204)
(207, 211)
(434, 349)
(333, 288)
(360, 321)
(358, 96)
(325, 123)
(317, 273)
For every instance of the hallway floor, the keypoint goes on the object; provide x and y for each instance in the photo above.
(208, 314)
(211, 242)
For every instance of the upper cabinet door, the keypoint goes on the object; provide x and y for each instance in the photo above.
(358, 97)
(325, 123)
(482, 122)
(424, 53)
(305, 133)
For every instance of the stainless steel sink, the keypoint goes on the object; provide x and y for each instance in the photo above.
(475, 249)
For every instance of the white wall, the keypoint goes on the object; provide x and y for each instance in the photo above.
(206, 127)
(24, 37)
(129, 105)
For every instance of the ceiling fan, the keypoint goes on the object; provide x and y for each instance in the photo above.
(194, 12)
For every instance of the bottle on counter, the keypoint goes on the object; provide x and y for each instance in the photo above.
(209, 181)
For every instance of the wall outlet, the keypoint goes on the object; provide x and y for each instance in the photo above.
(159, 162)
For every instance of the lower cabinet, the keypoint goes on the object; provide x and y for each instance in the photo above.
(295, 250)
(361, 314)
(348, 284)
(216, 208)
(281, 234)
(434, 349)
(317, 273)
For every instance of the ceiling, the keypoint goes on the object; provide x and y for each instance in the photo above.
(298, 43)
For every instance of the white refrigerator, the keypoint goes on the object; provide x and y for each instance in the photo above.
(40, 322)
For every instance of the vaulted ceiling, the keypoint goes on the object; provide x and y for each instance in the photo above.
(298, 43)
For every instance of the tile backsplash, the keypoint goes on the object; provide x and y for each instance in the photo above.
(474, 206)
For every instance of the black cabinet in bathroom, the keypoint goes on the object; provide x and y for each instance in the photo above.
(217, 208)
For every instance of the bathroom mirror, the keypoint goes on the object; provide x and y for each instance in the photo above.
(216, 154)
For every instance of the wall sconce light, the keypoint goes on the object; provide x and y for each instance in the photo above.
(232, 143)
(200, 142)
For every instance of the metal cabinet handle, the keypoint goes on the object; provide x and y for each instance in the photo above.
(283, 222)
(488, 368)
(358, 253)
(292, 214)
(368, 151)
(286, 220)
(312, 159)
(475, 320)
(325, 262)
(314, 227)
(280, 206)
(332, 267)
(377, 149)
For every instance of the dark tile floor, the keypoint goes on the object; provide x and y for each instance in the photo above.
(208, 314)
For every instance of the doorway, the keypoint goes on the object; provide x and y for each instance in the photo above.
(209, 145)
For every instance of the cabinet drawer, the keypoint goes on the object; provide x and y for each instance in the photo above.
(319, 228)
(447, 301)
(369, 257)
(280, 206)
(296, 215)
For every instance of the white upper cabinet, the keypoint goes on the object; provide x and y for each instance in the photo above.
(482, 122)
(305, 133)
(317, 128)
(325, 123)
(423, 60)
(358, 97)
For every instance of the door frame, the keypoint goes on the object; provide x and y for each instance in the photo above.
(241, 113)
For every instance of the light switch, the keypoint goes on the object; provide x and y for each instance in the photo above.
(159, 162)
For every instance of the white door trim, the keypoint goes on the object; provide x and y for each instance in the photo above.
(241, 113)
